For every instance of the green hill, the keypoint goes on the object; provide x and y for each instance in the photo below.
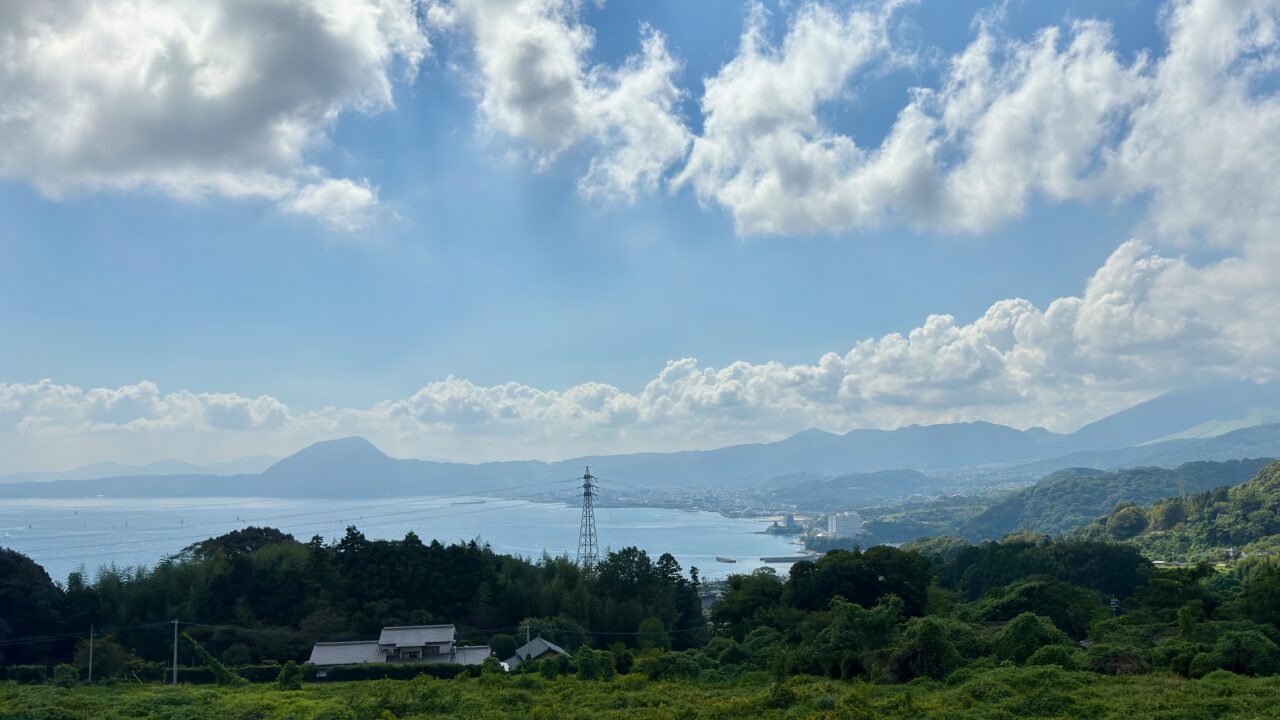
(1068, 499)
(1059, 503)
(1202, 525)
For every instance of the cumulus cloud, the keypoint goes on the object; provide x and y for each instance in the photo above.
(1143, 323)
(194, 99)
(1061, 116)
(537, 87)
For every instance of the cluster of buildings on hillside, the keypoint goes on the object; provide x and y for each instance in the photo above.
(423, 644)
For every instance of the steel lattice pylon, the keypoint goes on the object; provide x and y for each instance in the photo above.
(588, 549)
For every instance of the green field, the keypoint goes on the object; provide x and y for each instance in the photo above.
(1038, 692)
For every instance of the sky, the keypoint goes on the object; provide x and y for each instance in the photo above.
(499, 229)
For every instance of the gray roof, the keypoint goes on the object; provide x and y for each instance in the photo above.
(471, 654)
(416, 635)
(533, 649)
(347, 653)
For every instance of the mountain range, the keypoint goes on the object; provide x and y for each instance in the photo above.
(1163, 431)
(240, 466)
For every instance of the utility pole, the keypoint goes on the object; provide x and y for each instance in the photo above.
(91, 654)
(526, 633)
(175, 652)
(588, 551)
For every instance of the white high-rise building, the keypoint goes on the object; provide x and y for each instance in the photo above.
(845, 524)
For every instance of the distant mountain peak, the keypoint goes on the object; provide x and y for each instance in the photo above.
(340, 452)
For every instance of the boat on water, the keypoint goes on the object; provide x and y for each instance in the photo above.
(468, 502)
(723, 559)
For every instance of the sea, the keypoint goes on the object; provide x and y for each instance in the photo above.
(86, 534)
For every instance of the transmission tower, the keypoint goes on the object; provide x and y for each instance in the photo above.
(588, 550)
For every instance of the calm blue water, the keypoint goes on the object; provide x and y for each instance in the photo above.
(63, 535)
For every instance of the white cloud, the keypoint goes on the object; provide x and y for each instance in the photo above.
(538, 88)
(1144, 323)
(194, 99)
(1062, 116)
(340, 204)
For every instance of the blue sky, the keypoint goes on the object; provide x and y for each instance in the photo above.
(482, 259)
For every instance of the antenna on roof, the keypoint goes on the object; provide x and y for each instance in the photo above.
(588, 550)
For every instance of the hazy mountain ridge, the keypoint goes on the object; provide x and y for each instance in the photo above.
(239, 466)
(353, 467)
(844, 491)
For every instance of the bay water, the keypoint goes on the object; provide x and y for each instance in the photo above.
(63, 535)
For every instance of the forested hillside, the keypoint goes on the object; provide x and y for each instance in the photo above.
(1202, 525)
(1068, 499)
(1059, 503)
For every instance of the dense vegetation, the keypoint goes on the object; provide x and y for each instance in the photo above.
(270, 597)
(1202, 525)
(1057, 504)
(1027, 626)
(1033, 692)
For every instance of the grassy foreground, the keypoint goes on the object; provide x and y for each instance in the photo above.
(1039, 692)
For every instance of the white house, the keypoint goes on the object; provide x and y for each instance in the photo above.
(406, 643)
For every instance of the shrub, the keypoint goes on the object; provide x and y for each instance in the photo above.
(237, 654)
(669, 666)
(1060, 655)
(66, 676)
(1111, 659)
(290, 677)
(265, 673)
(1247, 652)
(1176, 656)
(623, 658)
(924, 650)
(595, 664)
(1025, 634)
(388, 671)
(220, 673)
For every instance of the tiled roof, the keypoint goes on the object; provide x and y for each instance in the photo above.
(416, 635)
(347, 653)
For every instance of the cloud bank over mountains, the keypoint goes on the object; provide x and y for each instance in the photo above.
(1144, 323)
(186, 99)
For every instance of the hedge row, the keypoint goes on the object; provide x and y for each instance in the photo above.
(155, 672)
(387, 671)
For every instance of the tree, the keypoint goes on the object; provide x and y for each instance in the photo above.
(653, 634)
(503, 646)
(1125, 522)
(110, 658)
(30, 604)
